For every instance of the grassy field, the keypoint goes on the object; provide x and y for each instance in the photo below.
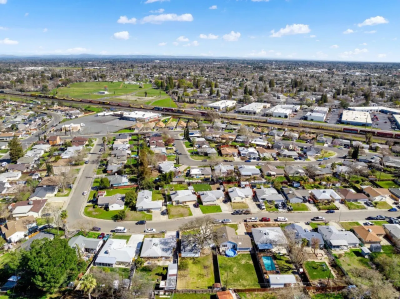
(201, 187)
(355, 206)
(383, 176)
(164, 103)
(238, 272)
(65, 194)
(198, 275)
(387, 184)
(178, 211)
(239, 206)
(157, 195)
(210, 209)
(317, 270)
(121, 237)
(353, 259)
(328, 296)
(122, 272)
(349, 225)
(299, 207)
(383, 205)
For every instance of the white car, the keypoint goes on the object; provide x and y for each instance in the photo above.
(84, 193)
(150, 230)
(226, 221)
(368, 223)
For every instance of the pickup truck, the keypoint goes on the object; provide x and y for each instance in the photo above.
(252, 219)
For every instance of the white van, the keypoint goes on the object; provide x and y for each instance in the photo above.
(281, 219)
(120, 229)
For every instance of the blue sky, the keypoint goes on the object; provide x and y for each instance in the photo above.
(350, 30)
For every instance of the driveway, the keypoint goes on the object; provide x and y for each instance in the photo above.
(252, 206)
(158, 217)
(195, 211)
(225, 207)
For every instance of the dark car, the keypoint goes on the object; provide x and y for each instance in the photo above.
(141, 222)
(96, 229)
(380, 217)
(265, 219)
(247, 212)
(330, 211)
(371, 218)
(196, 205)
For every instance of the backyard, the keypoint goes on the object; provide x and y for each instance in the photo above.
(176, 187)
(284, 263)
(353, 259)
(196, 273)
(178, 211)
(201, 187)
(100, 213)
(238, 272)
(349, 225)
(210, 209)
(317, 270)
(387, 184)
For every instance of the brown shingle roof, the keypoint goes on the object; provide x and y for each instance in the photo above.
(365, 234)
(20, 225)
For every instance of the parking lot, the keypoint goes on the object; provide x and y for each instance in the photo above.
(383, 123)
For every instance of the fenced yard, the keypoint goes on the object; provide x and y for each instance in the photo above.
(196, 273)
(238, 272)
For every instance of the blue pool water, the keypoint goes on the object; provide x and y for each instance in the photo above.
(268, 263)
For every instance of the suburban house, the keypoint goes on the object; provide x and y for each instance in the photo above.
(229, 152)
(28, 208)
(44, 192)
(13, 231)
(116, 252)
(392, 232)
(183, 197)
(79, 141)
(200, 172)
(10, 176)
(158, 248)
(189, 249)
(325, 195)
(272, 170)
(71, 151)
(224, 170)
(374, 194)
(269, 195)
(288, 154)
(338, 240)
(294, 170)
(248, 170)
(145, 201)
(166, 166)
(369, 234)
(112, 203)
(350, 195)
(84, 244)
(118, 180)
(54, 140)
(250, 152)
(300, 233)
(211, 197)
(122, 138)
(295, 195)
(207, 151)
(228, 239)
(281, 280)
(237, 194)
(267, 238)
(50, 181)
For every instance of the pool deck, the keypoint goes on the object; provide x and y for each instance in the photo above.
(266, 272)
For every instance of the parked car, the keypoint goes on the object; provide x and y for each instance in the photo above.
(120, 229)
(141, 222)
(368, 223)
(246, 212)
(371, 218)
(251, 219)
(247, 161)
(318, 218)
(196, 205)
(265, 219)
(96, 228)
(217, 221)
(86, 162)
(226, 221)
(150, 230)
(393, 210)
(84, 193)
(380, 217)
(330, 211)
(281, 219)
(101, 236)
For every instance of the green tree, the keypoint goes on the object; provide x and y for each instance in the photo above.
(355, 153)
(104, 183)
(271, 83)
(49, 169)
(16, 150)
(130, 199)
(88, 283)
(121, 215)
(50, 263)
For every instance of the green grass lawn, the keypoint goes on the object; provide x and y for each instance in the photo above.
(383, 205)
(387, 184)
(167, 102)
(65, 194)
(238, 272)
(270, 208)
(201, 187)
(349, 225)
(284, 263)
(121, 236)
(125, 131)
(326, 207)
(96, 182)
(157, 195)
(178, 211)
(380, 222)
(198, 274)
(355, 206)
(176, 187)
(383, 176)
(110, 192)
(210, 209)
(4, 151)
(4, 259)
(317, 270)
(353, 259)
(299, 207)
(315, 225)
(122, 272)
(92, 194)
(54, 231)
(154, 274)
(99, 213)
(239, 205)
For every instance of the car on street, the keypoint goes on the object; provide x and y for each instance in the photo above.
(226, 221)
(247, 161)
(150, 230)
(380, 217)
(96, 228)
(371, 218)
(318, 218)
(217, 221)
(120, 229)
(251, 219)
(392, 210)
(84, 193)
(265, 219)
(141, 222)
(196, 205)
(86, 162)
(281, 219)
(330, 211)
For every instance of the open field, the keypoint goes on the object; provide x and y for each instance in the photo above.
(387, 184)
(196, 273)
(383, 205)
(238, 271)
(178, 211)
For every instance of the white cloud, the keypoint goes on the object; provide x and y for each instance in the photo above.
(125, 20)
(374, 21)
(232, 36)
(291, 30)
(3, 1)
(162, 44)
(381, 55)
(370, 32)
(208, 36)
(192, 44)
(77, 50)
(171, 17)
(213, 7)
(182, 39)
(45, 30)
(334, 46)
(161, 10)
(8, 41)
(3, 28)
(175, 43)
(152, 1)
(26, 14)
(121, 35)
(364, 44)
(313, 36)
(356, 52)
(348, 31)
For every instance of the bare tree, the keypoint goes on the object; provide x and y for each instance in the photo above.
(141, 286)
(67, 177)
(314, 243)
(295, 248)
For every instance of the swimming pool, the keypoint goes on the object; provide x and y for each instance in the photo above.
(268, 263)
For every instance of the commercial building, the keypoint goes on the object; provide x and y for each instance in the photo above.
(376, 109)
(140, 116)
(253, 108)
(221, 105)
(316, 116)
(356, 118)
(397, 119)
(283, 111)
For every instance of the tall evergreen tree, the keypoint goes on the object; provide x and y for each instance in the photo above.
(16, 150)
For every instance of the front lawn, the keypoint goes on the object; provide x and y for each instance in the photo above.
(121, 237)
(317, 270)
(201, 187)
(387, 184)
(355, 206)
(380, 222)
(299, 207)
(315, 225)
(383, 176)
(270, 208)
(240, 206)
(100, 213)
(326, 207)
(178, 211)
(349, 225)
(238, 272)
(210, 209)
(383, 205)
(64, 194)
(196, 273)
